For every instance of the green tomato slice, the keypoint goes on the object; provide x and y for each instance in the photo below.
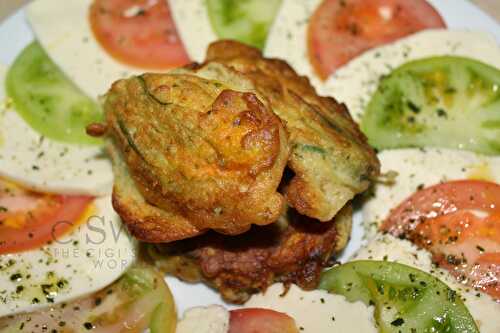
(247, 21)
(449, 102)
(405, 299)
(139, 300)
(50, 103)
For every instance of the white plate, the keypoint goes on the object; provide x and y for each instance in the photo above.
(15, 34)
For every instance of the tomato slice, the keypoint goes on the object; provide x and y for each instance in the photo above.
(399, 117)
(253, 320)
(459, 223)
(140, 33)
(405, 299)
(29, 220)
(340, 30)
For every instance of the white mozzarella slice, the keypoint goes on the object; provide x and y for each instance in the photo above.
(209, 319)
(317, 310)
(288, 37)
(194, 27)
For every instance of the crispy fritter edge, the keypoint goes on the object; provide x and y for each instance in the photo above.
(188, 269)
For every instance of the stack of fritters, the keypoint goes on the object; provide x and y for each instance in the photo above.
(237, 141)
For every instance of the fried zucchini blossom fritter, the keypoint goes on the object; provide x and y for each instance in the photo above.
(228, 144)
(201, 154)
(330, 157)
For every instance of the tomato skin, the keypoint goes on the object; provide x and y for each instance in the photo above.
(440, 200)
(483, 275)
(459, 223)
(400, 293)
(139, 33)
(30, 220)
(474, 253)
(253, 320)
(340, 30)
(486, 274)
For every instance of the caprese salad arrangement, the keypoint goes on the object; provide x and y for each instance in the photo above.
(427, 97)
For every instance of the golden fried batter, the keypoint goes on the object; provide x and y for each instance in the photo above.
(293, 250)
(145, 221)
(202, 155)
(206, 146)
(330, 157)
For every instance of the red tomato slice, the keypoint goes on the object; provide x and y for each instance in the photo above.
(29, 220)
(254, 320)
(340, 30)
(459, 223)
(140, 33)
